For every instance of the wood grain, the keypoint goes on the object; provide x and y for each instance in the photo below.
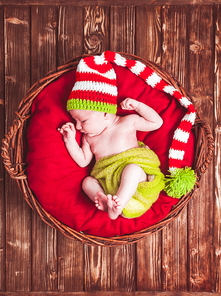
(217, 131)
(2, 175)
(175, 61)
(149, 263)
(70, 265)
(43, 59)
(96, 21)
(18, 214)
(123, 273)
(148, 46)
(70, 33)
(97, 268)
(143, 293)
(106, 2)
(44, 22)
(44, 255)
(200, 208)
(174, 255)
(148, 33)
(122, 29)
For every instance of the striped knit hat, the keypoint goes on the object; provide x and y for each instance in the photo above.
(95, 89)
(95, 86)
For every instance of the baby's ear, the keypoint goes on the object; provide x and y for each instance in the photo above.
(107, 116)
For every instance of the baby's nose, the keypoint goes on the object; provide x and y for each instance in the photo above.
(78, 126)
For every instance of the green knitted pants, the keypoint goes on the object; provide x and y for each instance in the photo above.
(108, 171)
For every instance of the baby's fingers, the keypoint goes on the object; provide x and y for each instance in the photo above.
(71, 126)
(123, 105)
(66, 127)
(127, 104)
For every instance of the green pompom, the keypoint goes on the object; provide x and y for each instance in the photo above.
(180, 182)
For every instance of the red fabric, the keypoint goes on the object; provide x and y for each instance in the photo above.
(56, 179)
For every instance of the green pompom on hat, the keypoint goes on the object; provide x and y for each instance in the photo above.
(180, 182)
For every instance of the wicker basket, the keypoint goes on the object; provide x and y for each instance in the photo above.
(14, 158)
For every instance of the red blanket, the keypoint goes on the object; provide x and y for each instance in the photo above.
(55, 178)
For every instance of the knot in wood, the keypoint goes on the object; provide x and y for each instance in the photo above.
(197, 279)
(93, 43)
(95, 39)
(194, 251)
(53, 275)
(218, 252)
(196, 47)
(218, 129)
(64, 37)
(53, 25)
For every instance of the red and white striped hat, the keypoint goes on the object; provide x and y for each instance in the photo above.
(96, 89)
(95, 86)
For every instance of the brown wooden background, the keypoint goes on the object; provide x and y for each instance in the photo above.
(186, 40)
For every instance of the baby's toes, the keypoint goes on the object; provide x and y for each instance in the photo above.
(97, 204)
(116, 201)
(109, 200)
(97, 200)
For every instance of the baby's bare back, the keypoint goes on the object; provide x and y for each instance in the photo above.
(116, 138)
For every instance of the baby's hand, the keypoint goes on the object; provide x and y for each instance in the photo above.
(129, 104)
(68, 131)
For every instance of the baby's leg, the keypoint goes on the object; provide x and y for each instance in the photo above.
(132, 175)
(91, 187)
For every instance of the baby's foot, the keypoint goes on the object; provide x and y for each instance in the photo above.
(114, 206)
(101, 201)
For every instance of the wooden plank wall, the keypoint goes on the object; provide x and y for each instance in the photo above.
(186, 255)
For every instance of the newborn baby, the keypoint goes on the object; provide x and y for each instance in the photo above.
(93, 106)
(106, 134)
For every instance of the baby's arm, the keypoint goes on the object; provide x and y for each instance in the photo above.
(148, 120)
(81, 155)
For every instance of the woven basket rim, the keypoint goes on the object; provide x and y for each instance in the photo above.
(15, 165)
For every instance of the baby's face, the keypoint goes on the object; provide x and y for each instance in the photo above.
(91, 123)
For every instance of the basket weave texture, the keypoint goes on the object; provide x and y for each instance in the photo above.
(14, 158)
